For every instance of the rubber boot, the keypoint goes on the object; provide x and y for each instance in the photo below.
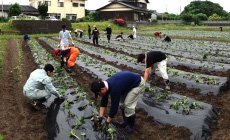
(131, 121)
(124, 122)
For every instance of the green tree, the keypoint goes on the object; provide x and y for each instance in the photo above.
(205, 7)
(187, 18)
(87, 12)
(214, 17)
(15, 10)
(202, 16)
(43, 9)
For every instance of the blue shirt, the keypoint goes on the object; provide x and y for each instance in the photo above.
(119, 84)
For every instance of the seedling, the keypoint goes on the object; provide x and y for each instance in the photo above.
(70, 114)
(68, 102)
(165, 95)
(83, 134)
(80, 121)
(111, 132)
(194, 105)
(72, 134)
(150, 89)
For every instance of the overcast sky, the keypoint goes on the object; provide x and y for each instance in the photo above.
(170, 6)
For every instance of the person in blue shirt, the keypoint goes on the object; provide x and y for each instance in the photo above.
(124, 89)
(26, 37)
(39, 87)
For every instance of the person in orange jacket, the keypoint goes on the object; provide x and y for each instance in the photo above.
(71, 53)
(157, 34)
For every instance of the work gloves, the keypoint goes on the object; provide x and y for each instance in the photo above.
(103, 127)
(97, 122)
(72, 43)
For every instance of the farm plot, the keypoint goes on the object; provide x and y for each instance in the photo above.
(75, 116)
(162, 108)
(197, 34)
(179, 61)
(205, 83)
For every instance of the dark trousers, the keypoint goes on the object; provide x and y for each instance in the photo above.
(108, 37)
(89, 35)
(95, 39)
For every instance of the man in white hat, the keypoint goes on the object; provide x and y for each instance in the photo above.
(134, 32)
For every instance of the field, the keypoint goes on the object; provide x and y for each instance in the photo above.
(196, 107)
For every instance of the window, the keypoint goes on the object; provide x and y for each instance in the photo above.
(82, 5)
(48, 3)
(39, 3)
(75, 4)
(141, 5)
(71, 16)
(60, 4)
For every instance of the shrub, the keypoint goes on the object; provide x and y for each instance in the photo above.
(3, 19)
(214, 17)
(65, 19)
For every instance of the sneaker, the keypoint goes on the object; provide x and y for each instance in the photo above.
(167, 87)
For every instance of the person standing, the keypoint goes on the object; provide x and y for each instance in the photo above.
(89, 31)
(124, 89)
(134, 32)
(95, 35)
(71, 53)
(64, 36)
(38, 88)
(108, 32)
(153, 60)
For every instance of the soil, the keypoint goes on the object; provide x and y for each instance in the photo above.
(19, 122)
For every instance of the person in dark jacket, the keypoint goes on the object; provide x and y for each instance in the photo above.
(89, 31)
(95, 35)
(26, 37)
(167, 38)
(124, 88)
(108, 32)
(120, 36)
(153, 60)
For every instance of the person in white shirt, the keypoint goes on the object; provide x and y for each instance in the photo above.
(64, 36)
(134, 32)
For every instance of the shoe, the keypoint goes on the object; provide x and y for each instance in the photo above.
(167, 87)
(124, 122)
(130, 121)
(35, 105)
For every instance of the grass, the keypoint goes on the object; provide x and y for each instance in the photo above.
(3, 45)
(1, 137)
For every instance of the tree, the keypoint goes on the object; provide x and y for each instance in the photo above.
(214, 17)
(87, 12)
(205, 7)
(15, 10)
(43, 9)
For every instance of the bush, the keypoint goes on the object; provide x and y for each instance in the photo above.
(3, 19)
(65, 19)
(154, 20)
(202, 16)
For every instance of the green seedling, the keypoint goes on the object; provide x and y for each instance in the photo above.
(80, 121)
(194, 105)
(176, 105)
(72, 134)
(150, 89)
(70, 114)
(165, 95)
(83, 134)
(68, 102)
(111, 132)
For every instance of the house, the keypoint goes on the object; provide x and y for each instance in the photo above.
(129, 10)
(26, 10)
(72, 9)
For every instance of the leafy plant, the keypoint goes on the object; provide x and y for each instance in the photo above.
(70, 114)
(72, 134)
(194, 105)
(165, 95)
(111, 132)
(68, 102)
(83, 134)
(150, 89)
(79, 122)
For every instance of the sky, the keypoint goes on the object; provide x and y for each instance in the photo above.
(170, 6)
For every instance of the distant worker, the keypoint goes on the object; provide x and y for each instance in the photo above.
(134, 32)
(157, 34)
(38, 88)
(26, 37)
(221, 29)
(120, 36)
(166, 38)
(71, 53)
(64, 37)
(153, 60)
(124, 89)
(108, 32)
(130, 36)
(95, 35)
(89, 31)
(78, 32)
